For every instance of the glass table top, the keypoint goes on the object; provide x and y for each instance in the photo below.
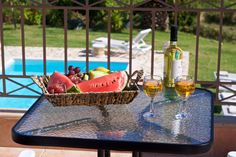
(113, 126)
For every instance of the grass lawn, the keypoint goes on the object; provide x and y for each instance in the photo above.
(208, 48)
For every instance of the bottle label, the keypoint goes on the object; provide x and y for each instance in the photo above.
(176, 68)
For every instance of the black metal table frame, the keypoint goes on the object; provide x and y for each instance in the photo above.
(103, 151)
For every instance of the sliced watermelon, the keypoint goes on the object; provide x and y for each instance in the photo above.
(59, 83)
(114, 82)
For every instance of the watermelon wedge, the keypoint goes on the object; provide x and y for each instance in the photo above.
(114, 82)
(59, 83)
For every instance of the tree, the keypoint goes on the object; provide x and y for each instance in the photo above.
(13, 11)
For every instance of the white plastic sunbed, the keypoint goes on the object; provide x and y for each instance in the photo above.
(226, 77)
(138, 46)
(228, 110)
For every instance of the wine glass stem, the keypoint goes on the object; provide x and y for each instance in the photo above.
(151, 106)
(182, 106)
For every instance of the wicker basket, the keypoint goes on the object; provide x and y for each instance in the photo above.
(103, 98)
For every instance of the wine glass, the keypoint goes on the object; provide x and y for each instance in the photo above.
(184, 87)
(152, 85)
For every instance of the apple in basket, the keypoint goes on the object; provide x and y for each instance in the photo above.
(114, 82)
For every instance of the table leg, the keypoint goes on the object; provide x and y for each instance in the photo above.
(136, 154)
(103, 153)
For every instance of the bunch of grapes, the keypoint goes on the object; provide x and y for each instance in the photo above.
(74, 74)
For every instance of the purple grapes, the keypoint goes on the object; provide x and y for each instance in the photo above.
(74, 74)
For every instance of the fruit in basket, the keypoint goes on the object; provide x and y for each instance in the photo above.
(56, 88)
(74, 74)
(59, 83)
(105, 70)
(95, 74)
(76, 70)
(70, 67)
(85, 77)
(75, 79)
(114, 82)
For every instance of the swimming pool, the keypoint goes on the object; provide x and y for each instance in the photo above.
(35, 67)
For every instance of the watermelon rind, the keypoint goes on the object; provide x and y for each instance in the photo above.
(73, 89)
(126, 79)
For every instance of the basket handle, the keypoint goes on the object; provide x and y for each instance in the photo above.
(139, 74)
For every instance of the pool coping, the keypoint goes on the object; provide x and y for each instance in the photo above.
(12, 112)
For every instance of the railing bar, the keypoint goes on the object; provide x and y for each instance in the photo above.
(78, 3)
(93, 4)
(52, 2)
(87, 35)
(122, 3)
(176, 18)
(176, 13)
(183, 4)
(229, 83)
(13, 76)
(22, 88)
(23, 41)
(35, 2)
(65, 41)
(197, 46)
(141, 3)
(180, 9)
(109, 41)
(130, 37)
(2, 49)
(44, 38)
(228, 97)
(219, 50)
(212, 4)
(228, 103)
(164, 3)
(228, 88)
(214, 82)
(25, 86)
(230, 5)
(205, 82)
(153, 42)
(19, 96)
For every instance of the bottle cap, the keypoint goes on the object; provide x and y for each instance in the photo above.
(173, 33)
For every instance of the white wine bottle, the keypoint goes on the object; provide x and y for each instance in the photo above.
(173, 56)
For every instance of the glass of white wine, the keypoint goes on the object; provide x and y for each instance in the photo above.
(152, 86)
(184, 87)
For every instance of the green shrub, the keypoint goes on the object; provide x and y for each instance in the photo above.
(212, 18)
(186, 20)
(117, 21)
(33, 17)
(228, 19)
(76, 21)
(99, 19)
(10, 15)
(55, 18)
(212, 31)
(217, 109)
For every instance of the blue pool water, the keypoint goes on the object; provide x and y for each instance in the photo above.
(35, 67)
